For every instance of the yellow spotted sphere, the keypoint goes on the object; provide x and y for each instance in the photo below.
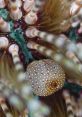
(45, 76)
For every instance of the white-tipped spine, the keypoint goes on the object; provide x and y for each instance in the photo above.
(37, 5)
(74, 8)
(2, 3)
(17, 3)
(30, 18)
(31, 32)
(15, 13)
(13, 50)
(28, 5)
(4, 26)
(4, 42)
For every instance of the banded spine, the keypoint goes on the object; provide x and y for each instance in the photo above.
(60, 42)
(24, 87)
(58, 57)
(74, 8)
(12, 96)
(13, 49)
(28, 5)
(76, 107)
(32, 7)
(68, 102)
(5, 107)
(72, 56)
(77, 17)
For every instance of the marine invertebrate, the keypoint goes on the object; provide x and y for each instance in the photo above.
(52, 16)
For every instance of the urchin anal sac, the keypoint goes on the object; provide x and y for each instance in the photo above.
(45, 76)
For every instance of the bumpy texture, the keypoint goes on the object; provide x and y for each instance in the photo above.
(45, 76)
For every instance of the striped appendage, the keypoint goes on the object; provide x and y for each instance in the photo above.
(76, 17)
(12, 96)
(54, 55)
(76, 107)
(65, 62)
(68, 102)
(16, 60)
(5, 108)
(74, 8)
(60, 42)
(24, 88)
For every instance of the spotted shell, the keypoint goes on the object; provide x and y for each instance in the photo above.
(45, 76)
